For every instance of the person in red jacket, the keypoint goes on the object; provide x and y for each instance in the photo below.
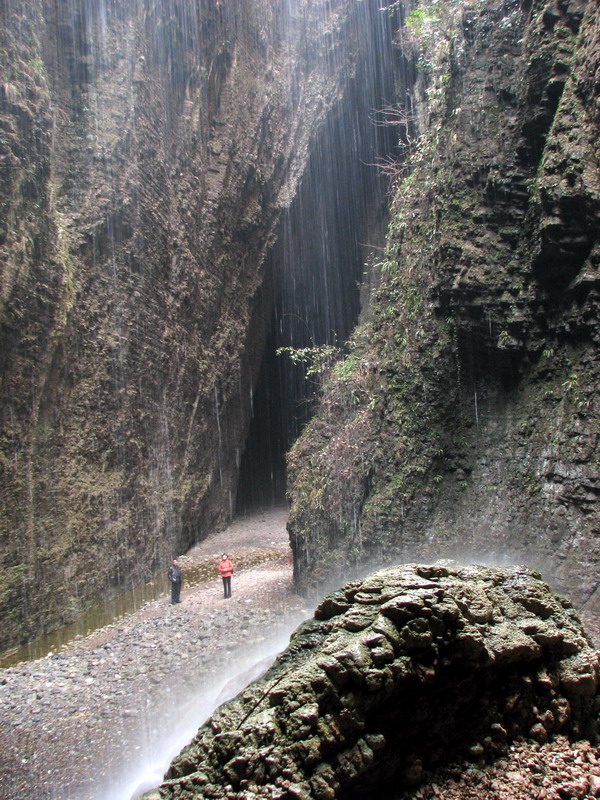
(226, 570)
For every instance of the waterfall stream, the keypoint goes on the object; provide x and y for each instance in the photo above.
(107, 712)
(202, 155)
(191, 192)
(148, 772)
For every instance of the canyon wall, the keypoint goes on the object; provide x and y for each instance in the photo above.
(147, 152)
(464, 420)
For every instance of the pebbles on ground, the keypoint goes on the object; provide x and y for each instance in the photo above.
(74, 718)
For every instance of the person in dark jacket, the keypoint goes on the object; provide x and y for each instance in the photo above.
(226, 571)
(175, 578)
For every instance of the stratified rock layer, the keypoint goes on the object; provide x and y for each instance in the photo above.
(395, 675)
(464, 422)
(147, 151)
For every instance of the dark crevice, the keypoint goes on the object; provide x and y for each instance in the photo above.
(336, 220)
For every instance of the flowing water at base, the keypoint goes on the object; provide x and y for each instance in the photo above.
(148, 772)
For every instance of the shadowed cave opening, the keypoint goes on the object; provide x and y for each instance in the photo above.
(335, 224)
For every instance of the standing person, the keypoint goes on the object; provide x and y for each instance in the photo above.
(226, 570)
(175, 578)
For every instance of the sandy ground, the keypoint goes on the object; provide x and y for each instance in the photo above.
(103, 717)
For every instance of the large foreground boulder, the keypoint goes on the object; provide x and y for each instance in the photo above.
(396, 675)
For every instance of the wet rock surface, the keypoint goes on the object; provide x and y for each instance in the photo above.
(147, 154)
(409, 672)
(464, 422)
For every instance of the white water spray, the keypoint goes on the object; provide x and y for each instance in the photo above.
(175, 731)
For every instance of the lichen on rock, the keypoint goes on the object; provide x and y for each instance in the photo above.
(472, 406)
(395, 676)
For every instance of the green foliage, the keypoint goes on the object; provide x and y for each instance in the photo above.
(571, 385)
(573, 388)
(11, 579)
(413, 302)
(416, 20)
(429, 24)
(345, 369)
(38, 65)
(317, 359)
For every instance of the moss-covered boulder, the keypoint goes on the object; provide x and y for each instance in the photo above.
(395, 675)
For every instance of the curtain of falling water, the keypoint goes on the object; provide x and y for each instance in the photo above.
(153, 749)
(97, 58)
(335, 223)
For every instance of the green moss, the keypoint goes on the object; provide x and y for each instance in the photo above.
(11, 580)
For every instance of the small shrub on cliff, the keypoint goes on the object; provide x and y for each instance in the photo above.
(318, 359)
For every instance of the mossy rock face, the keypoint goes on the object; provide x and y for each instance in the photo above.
(470, 428)
(142, 180)
(414, 665)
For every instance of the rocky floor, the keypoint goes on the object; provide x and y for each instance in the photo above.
(558, 770)
(82, 723)
(100, 719)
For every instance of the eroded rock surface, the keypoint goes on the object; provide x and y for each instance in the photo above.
(397, 674)
(147, 153)
(468, 403)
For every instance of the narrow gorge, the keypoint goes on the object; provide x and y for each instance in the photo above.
(340, 256)
(152, 155)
